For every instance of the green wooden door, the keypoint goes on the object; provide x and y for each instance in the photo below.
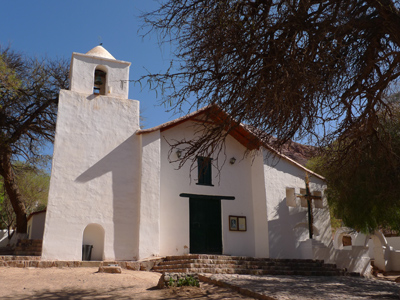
(205, 226)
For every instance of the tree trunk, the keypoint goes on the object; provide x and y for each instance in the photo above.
(13, 192)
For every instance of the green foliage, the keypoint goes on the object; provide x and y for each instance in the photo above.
(33, 185)
(7, 215)
(171, 282)
(364, 190)
(9, 83)
(186, 281)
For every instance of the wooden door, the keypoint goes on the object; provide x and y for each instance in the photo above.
(205, 226)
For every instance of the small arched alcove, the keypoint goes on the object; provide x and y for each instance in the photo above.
(94, 235)
(100, 80)
(346, 240)
(343, 237)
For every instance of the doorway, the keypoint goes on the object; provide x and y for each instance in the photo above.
(205, 226)
(93, 235)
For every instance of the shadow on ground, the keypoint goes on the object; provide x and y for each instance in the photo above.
(69, 294)
(298, 287)
(128, 293)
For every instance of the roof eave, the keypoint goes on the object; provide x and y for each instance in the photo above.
(250, 145)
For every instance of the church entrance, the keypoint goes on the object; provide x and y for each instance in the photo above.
(205, 226)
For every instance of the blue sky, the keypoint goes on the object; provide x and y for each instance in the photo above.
(58, 28)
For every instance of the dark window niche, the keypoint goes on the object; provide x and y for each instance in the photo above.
(204, 171)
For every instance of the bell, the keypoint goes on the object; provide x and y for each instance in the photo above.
(98, 80)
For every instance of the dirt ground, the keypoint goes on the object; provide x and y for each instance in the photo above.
(86, 283)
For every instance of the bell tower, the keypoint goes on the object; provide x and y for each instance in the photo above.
(98, 72)
(95, 179)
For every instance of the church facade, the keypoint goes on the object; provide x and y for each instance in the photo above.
(119, 188)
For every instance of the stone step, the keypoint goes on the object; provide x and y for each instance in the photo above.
(245, 264)
(238, 258)
(196, 256)
(28, 248)
(248, 263)
(28, 253)
(281, 269)
(6, 251)
(219, 264)
(248, 267)
(30, 242)
(256, 272)
(27, 244)
(35, 262)
(19, 258)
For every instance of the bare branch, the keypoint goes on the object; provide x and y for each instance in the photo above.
(292, 69)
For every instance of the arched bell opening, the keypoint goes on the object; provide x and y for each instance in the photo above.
(93, 242)
(100, 80)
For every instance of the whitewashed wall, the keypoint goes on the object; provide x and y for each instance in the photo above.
(36, 226)
(82, 72)
(260, 208)
(94, 176)
(149, 235)
(288, 226)
(394, 241)
(4, 237)
(235, 180)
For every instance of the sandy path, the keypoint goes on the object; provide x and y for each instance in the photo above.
(86, 283)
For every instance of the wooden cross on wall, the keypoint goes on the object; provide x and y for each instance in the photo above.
(309, 197)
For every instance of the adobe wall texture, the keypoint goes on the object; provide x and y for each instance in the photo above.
(95, 178)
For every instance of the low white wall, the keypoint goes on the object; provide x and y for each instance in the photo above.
(4, 237)
(384, 251)
(305, 249)
(36, 223)
(394, 260)
(394, 242)
(355, 259)
(344, 231)
(351, 258)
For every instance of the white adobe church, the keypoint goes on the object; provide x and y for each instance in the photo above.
(112, 185)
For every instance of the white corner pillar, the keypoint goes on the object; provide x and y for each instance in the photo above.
(149, 230)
